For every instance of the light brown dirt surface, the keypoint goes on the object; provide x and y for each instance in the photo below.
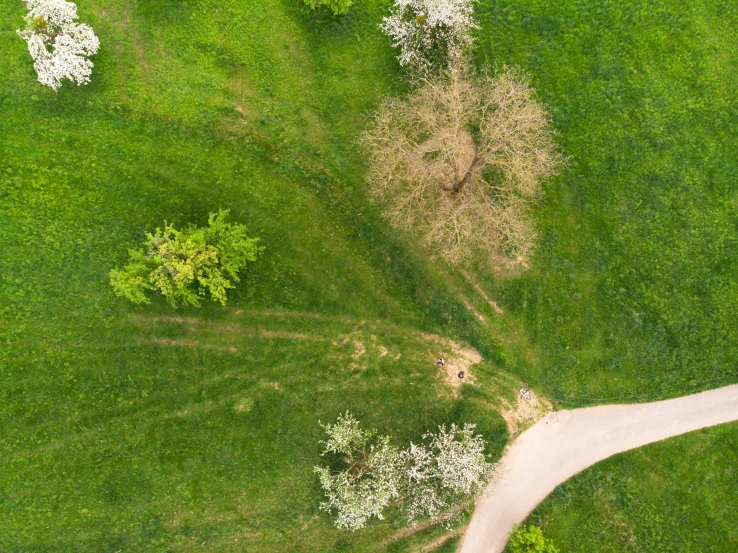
(290, 335)
(457, 357)
(481, 292)
(440, 541)
(525, 413)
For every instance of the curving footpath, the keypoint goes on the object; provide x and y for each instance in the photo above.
(565, 443)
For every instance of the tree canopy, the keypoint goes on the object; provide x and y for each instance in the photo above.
(530, 539)
(428, 479)
(460, 161)
(338, 7)
(187, 265)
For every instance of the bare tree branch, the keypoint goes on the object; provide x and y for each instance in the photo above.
(460, 161)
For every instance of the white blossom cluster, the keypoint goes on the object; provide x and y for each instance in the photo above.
(450, 468)
(58, 44)
(371, 481)
(345, 436)
(427, 31)
(425, 479)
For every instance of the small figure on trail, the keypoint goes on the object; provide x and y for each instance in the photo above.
(461, 374)
(440, 362)
(525, 393)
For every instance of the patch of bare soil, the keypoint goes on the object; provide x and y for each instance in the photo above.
(457, 358)
(245, 405)
(478, 288)
(379, 349)
(525, 413)
(190, 344)
(506, 267)
(365, 345)
(471, 308)
(440, 541)
(290, 335)
(416, 527)
(359, 350)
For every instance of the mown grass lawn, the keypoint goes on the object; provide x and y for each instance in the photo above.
(634, 291)
(150, 429)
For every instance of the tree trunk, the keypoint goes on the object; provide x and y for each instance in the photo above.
(459, 186)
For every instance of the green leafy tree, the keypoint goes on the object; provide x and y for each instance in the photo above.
(336, 6)
(529, 539)
(187, 265)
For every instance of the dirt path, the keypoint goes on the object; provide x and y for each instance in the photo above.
(566, 442)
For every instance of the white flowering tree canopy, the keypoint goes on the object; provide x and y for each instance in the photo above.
(429, 479)
(449, 468)
(370, 480)
(430, 32)
(60, 47)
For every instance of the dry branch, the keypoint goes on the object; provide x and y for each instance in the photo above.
(460, 161)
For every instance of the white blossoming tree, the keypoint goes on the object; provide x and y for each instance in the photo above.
(59, 46)
(430, 33)
(368, 483)
(426, 480)
(447, 470)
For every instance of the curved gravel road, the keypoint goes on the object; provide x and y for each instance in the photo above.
(565, 443)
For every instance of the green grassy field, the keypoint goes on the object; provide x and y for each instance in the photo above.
(150, 429)
(634, 291)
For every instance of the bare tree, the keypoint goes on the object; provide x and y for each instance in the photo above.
(460, 161)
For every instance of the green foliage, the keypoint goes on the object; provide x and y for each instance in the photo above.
(529, 539)
(39, 24)
(336, 6)
(186, 265)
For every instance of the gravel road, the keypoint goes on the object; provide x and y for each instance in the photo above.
(565, 443)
